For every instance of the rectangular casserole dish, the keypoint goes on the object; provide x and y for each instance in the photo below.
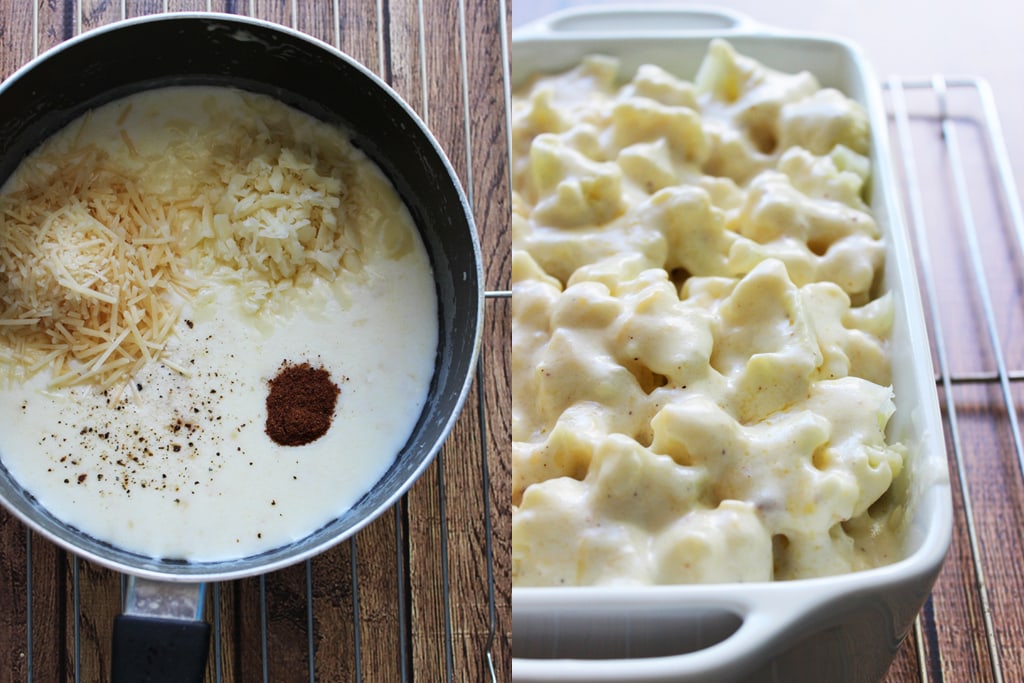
(839, 628)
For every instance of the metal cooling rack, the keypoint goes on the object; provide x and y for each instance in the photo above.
(949, 146)
(402, 626)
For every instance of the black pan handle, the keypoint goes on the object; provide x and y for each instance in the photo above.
(155, 650)
(160, 638)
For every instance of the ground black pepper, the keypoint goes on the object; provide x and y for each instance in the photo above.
(300, 404)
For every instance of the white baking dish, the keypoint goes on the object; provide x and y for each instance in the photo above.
(842, 628)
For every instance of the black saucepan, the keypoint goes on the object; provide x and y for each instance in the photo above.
(160, 637)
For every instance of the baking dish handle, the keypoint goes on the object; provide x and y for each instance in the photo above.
(638, 19)
(764, 621)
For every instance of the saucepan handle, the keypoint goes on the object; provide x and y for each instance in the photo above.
(159, 650)
(160, 638)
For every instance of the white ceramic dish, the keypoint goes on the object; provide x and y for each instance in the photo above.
(835, 629)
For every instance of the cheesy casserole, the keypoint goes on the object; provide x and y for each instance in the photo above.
(700, 372)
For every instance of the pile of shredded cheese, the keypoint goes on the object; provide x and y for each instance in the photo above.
(102, 244)
(293, 204)
(91, 273)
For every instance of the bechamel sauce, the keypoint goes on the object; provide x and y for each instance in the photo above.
(185, 470)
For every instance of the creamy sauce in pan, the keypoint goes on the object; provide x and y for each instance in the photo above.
(180, 465)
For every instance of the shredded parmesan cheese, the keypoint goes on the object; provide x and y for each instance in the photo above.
(106, 235)
(90, 280)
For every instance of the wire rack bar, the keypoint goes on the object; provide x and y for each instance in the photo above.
(954, 149)
(956, 165)
(917, 222)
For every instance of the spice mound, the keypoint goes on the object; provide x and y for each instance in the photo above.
(300, 404)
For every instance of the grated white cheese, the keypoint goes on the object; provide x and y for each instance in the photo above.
(113, 224)
(91, 279)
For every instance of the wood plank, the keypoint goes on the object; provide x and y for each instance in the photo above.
(489, 184)
(357, 31)
(467, 566)
(141, 8)
(16, 42)
(426, 580)
(401, 62)
(287, 632)
(316, 19)
(96, 13)
(333, 615)
(377, 562)
(277, 11)
(243, 653)
(227, 6)
(14, 636)
(51, 661)
(99, 601)
(225, 634)
(997, 493)
(958, 618)
(905, 666)
(498, 402)
(58, 21)
(211, 615)
(490, 193)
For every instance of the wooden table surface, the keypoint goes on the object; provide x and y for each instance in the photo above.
(423, 593)
(961, 170)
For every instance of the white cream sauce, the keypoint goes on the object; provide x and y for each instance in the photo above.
(181, 467)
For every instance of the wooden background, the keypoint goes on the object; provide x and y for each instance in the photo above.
(423, 594)
(960, 171)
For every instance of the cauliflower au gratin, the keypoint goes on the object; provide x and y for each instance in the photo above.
(700, 372)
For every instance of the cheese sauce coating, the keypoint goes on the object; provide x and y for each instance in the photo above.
(292, 248)
(700, 367)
